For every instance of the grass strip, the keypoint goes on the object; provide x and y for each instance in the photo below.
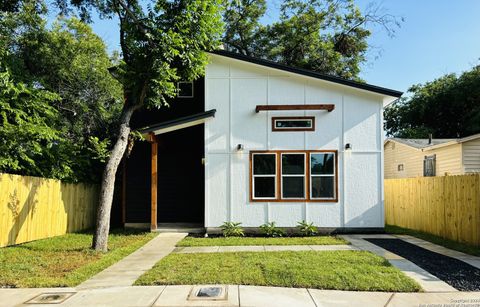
(64, 261)
(341, 270)
(240, 241)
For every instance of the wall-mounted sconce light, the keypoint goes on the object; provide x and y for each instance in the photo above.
(348, 146)
(240, 147)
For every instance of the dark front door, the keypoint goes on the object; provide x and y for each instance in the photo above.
(181, 176)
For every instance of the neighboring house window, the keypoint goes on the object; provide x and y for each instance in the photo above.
(302, 123)
(322, 175)
(185, 89)
(400, 167)
(429, 167)
(309, 175)
(293, 175)
(264, 173)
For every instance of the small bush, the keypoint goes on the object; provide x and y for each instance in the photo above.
(307, 229)
(270, 230)
(232, 229)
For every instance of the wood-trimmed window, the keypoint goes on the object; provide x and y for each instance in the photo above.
(185, 89)
(264, 176)
(293, 123)
(294, 175)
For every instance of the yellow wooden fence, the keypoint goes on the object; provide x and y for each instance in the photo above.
(447, 206)
(34, 208)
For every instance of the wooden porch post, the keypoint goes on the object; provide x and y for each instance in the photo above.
(153, 219)
(124, 190)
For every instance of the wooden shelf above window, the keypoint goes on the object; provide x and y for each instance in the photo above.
(289, 107)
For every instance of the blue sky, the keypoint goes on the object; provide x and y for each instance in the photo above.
(437, 37)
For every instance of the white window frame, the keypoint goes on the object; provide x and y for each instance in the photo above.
(274, 176)
(178, 89)
(322, 175)
(309, 119)
(294, 175)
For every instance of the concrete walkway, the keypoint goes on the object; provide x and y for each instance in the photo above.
(130, 268)
(261, 248)
(237, 296)
(427, 281)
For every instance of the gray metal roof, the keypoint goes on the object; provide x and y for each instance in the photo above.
(421, 143)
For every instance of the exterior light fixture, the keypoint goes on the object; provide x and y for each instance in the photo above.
(240, 147)
(348, 146)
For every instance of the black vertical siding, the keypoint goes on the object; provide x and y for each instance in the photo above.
(180, 170)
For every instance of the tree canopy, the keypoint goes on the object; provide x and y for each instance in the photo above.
(62, 71)
(448, 107)
(328, 36)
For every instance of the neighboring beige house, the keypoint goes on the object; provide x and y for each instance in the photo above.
(431, 157)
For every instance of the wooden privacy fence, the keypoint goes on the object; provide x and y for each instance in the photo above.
(447, 206)
(34, 208)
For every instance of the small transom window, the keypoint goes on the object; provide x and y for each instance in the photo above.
(185, 89)
(293, 123)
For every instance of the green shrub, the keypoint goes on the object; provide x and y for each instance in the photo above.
(307, 229)
(270, 230)
(232, 229)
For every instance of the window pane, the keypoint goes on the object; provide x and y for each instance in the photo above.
(293, 123)
(323, 187)
(293, 187)
(322, 164)
(264, 164)
(293, 164)
(264, 186)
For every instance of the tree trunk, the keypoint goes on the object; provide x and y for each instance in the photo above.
(100, 238)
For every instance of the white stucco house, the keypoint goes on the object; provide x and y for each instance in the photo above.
(254, 142)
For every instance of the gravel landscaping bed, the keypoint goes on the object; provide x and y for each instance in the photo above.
(460, 275)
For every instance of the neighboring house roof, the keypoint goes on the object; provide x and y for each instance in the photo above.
(424, 144)
(310, 73)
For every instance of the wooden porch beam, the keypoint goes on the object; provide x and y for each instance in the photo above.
(289, 107)
(153, 209)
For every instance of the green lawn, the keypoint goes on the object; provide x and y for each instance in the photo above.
(236, 241)
(461, 247)
(63, 261)
(343, 270)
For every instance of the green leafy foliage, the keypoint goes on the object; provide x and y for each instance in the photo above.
(447, 107)
(68, 61)
(270, 230)
(307, 229)
(328, 36)
(27, 127)
(232, 229)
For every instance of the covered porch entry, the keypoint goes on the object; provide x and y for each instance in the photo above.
(164, 178)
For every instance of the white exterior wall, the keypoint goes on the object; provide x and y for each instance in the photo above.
(234, 88)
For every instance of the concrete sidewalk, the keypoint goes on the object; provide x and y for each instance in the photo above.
(261, 248)
(130, 268)
(237, 296)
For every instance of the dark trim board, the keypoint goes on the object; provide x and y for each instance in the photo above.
(309, 73)
(290, 107)
(178, 121)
